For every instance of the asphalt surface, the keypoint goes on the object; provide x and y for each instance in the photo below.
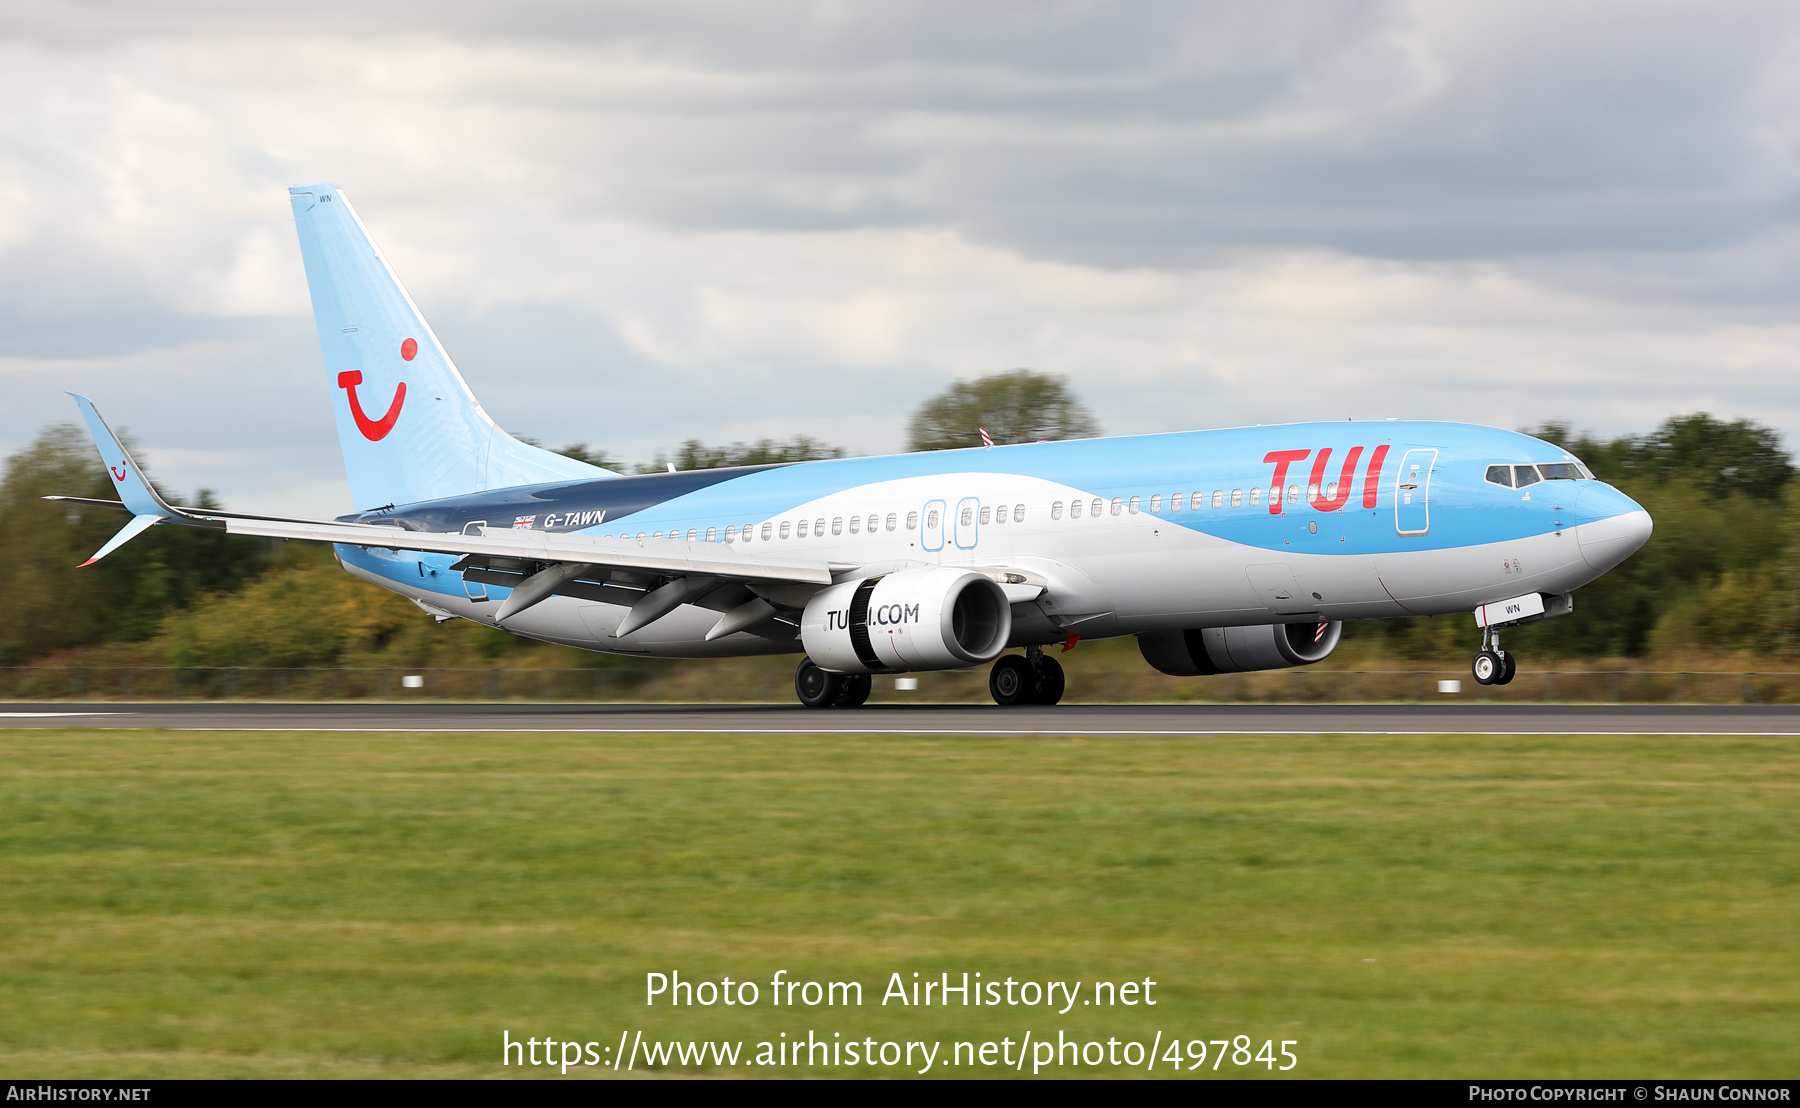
(762, 719)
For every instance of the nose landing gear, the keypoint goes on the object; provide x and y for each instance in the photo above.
(1493, 666)
(1034, 678)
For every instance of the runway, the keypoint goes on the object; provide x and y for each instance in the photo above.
(762, 719)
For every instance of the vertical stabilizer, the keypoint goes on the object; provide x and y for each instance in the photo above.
(410, 428)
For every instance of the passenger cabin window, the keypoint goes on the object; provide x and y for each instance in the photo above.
(1237, 498)
(765, 532)
(1174, 503)
(731, 532)
(1074, 509)
(819, 527)
(874, 524)
(1133, 505)
(837, 525)
(1256, 496)
(712, 534)
(855, 525)
(1018, 513)
(893, 521)
(1095, 506)
(1056, 510)
(747, 533)
(1218, 500)
(1331, 491)
(1525, 475)
(641, 536)
(800, 530)
(1293, 493)
(931, 518)
(987, 514)
(1500, 475)
(693, 533)
(968, 517)
(912, 521)
(1000, 514)
(784, 528)
(1312, 494)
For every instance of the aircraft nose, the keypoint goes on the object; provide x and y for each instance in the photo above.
(1607, 542)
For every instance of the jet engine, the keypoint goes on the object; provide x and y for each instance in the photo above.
(935, 618)
(1206, 650)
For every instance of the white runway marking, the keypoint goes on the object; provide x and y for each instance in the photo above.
(47, 715)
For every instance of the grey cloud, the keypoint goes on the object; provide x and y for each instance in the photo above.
(1611, 155)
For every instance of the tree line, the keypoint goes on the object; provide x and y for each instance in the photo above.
(1721, 572)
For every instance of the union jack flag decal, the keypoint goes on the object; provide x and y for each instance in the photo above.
(523, 521)
(987, 440)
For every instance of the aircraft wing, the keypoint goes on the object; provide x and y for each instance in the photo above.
(564, 551)
(670, 557)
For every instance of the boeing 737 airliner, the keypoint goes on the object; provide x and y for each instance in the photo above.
(1222, 551)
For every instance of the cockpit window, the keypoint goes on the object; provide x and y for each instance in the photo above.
(1525, 475)
(1559, 471)
(1500, 475)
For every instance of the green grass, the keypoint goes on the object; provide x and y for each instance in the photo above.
(179, 904)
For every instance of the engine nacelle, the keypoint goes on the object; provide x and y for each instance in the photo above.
(1206, 650)
(935, 618)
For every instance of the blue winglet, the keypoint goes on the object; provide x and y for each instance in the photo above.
(127, 477)
(136, 492)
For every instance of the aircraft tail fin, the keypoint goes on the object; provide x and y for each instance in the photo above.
(409, 426)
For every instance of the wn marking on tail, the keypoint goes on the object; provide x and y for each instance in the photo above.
(372, 429)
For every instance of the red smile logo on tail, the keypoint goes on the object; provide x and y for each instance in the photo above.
(376, 429)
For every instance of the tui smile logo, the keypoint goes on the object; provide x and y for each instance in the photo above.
(376, 429)
(118, 471)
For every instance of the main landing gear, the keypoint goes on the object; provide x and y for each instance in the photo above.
(819, 689)
(1493, 666)
(1033, 678)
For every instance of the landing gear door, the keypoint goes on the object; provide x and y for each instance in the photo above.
(1412, 492)
(931, 526)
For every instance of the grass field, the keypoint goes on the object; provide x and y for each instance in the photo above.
(179, 904)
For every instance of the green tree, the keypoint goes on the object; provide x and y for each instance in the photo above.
(49, 601)
(594, 457)
(694, 454)
(1710, 454)
(1020, 406)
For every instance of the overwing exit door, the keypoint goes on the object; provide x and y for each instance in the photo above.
(968, 523)
(931, 526)
(1412, 492)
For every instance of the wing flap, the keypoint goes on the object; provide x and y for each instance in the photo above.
(671, 557)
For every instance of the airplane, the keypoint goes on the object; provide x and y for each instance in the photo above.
(1220, 550)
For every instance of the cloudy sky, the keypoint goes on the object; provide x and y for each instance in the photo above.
(637, 223)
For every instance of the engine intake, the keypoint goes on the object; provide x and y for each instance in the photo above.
(1207, 650)
(934, 618)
